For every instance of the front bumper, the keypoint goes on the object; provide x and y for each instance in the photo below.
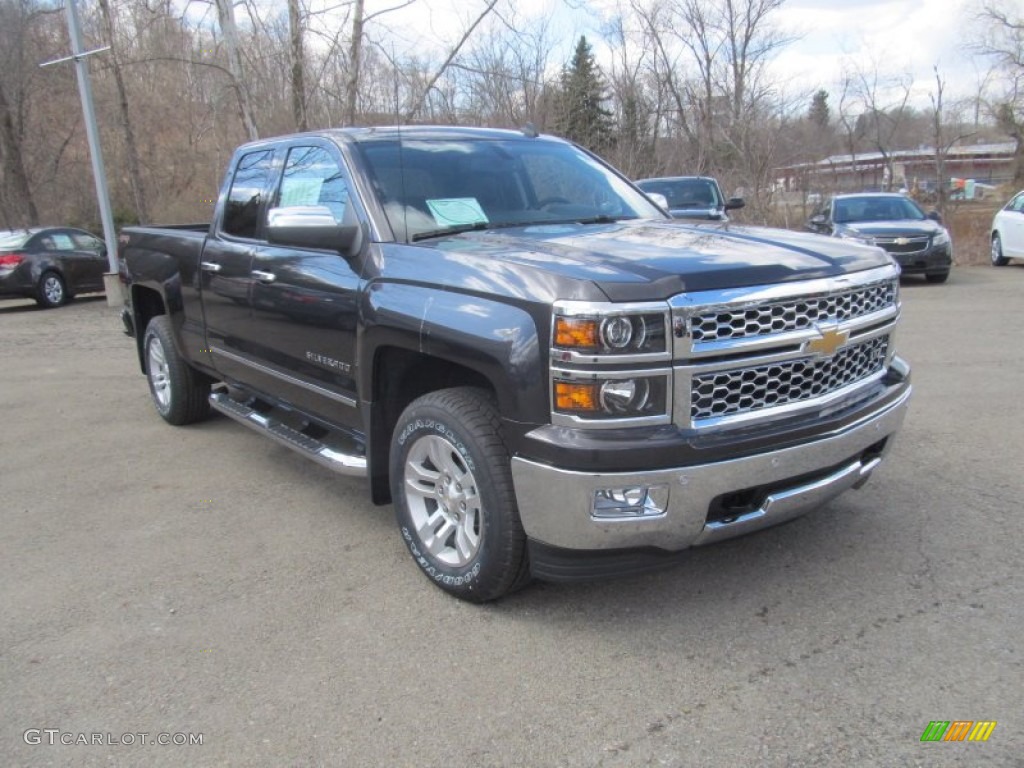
(556, 505)
(935, 260)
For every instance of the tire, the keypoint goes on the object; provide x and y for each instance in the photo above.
(998, 260)
(451, 482)
(52, 291)
(180, 394)
(937, 277)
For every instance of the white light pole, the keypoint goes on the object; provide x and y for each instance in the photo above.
(110, 280)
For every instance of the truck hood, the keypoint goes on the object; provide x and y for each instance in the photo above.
(707, 214)
(648, 260)
(907, 227)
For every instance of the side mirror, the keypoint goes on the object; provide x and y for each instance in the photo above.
(314, 226)
(934, 216)
(734, 203)
(817, 221)
(658, 199)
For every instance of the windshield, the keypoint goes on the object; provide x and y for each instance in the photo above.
(685, 193)
(875, 208)
(429, 186)
(14, 239)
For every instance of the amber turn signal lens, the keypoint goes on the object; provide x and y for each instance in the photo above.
(575, 333)
(575, 397)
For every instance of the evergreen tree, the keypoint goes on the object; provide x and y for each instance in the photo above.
(580, 116)
(819, 114)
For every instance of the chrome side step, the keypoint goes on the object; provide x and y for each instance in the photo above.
(343, 463)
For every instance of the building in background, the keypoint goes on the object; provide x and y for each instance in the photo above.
(971, 171)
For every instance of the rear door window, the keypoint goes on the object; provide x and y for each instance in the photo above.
(85, 242)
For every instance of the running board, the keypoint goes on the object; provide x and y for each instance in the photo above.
(342, 463)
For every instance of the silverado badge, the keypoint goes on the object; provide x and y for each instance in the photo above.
(828, 342)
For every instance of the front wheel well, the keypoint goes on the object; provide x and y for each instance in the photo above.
(399, 377)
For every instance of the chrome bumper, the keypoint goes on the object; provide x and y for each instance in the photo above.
(555, 505)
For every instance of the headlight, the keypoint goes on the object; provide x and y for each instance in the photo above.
(618, 334)
(942, 238)
(592, 344)
(852, 234)
(594, 398)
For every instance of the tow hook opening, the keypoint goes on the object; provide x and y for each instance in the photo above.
(728, 507)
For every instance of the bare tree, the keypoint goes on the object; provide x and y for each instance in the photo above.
(502, 74)
(124, 114)
(228, 28)
(1001, 38)
(298, 68)
(17, 192)
(354, 57)
(20, 28)
(419, 99)
(885, 101)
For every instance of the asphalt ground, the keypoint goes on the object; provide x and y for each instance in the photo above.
(203, 582)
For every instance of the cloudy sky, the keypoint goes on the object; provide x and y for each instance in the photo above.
(893, 36)
(897, 36)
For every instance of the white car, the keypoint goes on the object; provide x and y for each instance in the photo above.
(1008, 232)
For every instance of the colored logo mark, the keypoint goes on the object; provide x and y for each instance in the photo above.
(958, 730)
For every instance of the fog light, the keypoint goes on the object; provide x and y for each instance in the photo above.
(633, 502)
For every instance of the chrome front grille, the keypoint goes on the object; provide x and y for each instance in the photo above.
(902, 245)
(792, 314)
(746, 389)
(750, 355)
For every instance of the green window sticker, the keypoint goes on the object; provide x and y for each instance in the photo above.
(301, 191)
(453, 211)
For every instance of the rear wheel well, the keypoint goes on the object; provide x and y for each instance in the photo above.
(146, 304)
(399, 377)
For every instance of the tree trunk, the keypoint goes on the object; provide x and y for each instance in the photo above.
(26, 213)
(131, 148)
(298, 67)
(226, 16)
(354, 55)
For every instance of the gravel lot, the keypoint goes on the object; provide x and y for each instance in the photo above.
(204, 580)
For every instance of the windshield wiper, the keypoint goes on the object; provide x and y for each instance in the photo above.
(457, 229)
(601, 218)
(478, 226)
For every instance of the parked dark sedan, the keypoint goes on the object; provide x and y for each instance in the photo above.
(51, 264)
(917, 240)
(692, 197)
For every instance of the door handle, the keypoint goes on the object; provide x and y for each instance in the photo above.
(211, 266)
(263, 277)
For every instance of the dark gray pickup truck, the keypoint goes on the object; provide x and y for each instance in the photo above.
(545, 374)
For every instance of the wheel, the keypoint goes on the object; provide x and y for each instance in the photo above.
(937, 277)
(998, 260)
(180, 394)
(451, 482)
(51, 291)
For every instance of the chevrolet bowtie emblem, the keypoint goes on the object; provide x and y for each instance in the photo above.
(901, 240)
(830, 340)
